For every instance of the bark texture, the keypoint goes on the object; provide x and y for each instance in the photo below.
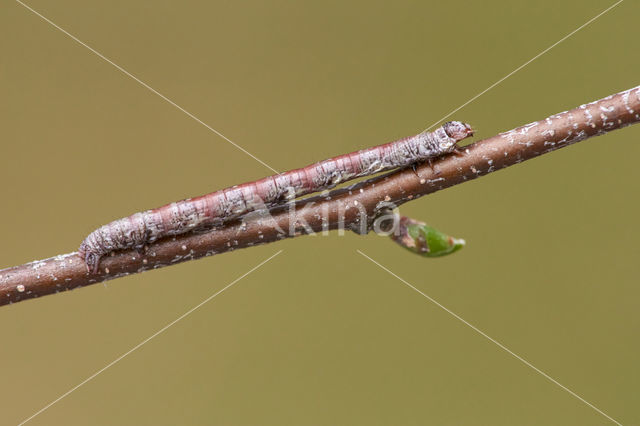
(354, 208)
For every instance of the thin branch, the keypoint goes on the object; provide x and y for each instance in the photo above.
(353, 208)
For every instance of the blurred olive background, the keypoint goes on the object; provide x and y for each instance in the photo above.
(320, 335)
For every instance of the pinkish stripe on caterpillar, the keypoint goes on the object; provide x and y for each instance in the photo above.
(218, 207)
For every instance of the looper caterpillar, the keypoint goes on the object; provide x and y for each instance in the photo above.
(218, 207)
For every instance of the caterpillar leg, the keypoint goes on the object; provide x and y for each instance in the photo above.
(457, 151)
(90, 256)
(142, 249)
(433, 169)
(430, 162)
(141, 245)
(92, 260)
(414, 167)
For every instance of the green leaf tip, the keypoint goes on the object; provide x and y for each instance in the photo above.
(422, 239)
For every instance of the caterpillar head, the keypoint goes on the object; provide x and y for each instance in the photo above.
(454, 132)
(457, 130)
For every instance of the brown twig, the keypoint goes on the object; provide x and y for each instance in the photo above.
(354, 208)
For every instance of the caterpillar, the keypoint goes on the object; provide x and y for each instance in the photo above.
(216, 208)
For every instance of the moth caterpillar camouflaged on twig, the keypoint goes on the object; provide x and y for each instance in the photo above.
(218, 207)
